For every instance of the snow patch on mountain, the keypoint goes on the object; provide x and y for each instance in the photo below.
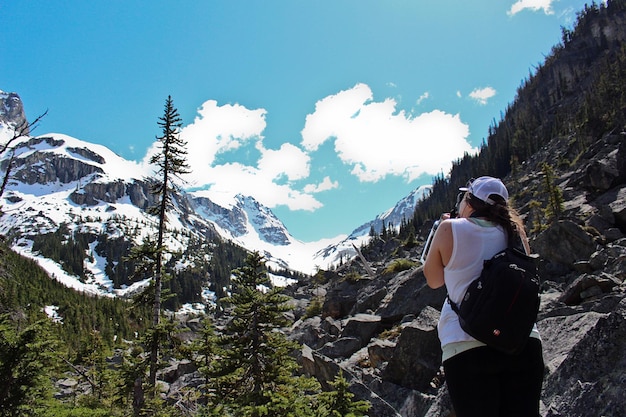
(56, 176)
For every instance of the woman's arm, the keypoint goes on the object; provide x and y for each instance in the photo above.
(438, 255)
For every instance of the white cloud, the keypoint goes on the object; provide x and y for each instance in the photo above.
(234, 178)
(534, 5)
(289, 161)
(481, 95)
(227, 153)
(218, 130)
(422, 98)
(325, 185)
(377, 140)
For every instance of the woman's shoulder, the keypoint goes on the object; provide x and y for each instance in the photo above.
(458, 221)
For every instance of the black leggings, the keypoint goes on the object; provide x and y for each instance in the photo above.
(486, 383)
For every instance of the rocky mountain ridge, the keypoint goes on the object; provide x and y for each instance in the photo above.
(56, 179)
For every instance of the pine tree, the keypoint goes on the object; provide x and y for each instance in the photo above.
(129, 388)
(26, 360)
(171, 164)
(555, 195)
(205, 353)
(339, 402)
(257, 368)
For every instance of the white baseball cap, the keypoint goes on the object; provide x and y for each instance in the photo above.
(483, 187)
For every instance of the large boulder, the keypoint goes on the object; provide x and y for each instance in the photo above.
(408, 294)
(362, 327)
(587, 365)
(562, 245)
(417, 355)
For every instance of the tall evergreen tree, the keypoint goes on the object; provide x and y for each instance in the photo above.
(257, 369)
(205, 354)
(171, 163)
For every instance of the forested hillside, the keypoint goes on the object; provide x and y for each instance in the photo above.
(26, 289)
(578, 93)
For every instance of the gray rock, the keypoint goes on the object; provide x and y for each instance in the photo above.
(588, 378)
(380, 352)
(563, 244)
(341, 348)
(417, 356)
(362, 327)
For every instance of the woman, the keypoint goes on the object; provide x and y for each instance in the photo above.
(482, 382)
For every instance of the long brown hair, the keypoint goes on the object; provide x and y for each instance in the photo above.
(500, 213)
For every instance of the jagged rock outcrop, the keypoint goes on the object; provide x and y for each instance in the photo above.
(233, 219)
(94, 193)
(43, 168)
(562, 245)
(586, 366)
(12, 111)
(416, 357)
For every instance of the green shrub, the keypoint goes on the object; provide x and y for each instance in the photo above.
(399, 265)
(353, 276)
(64, 410)
(315, 307)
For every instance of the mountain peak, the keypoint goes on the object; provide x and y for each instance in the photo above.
(11, 115)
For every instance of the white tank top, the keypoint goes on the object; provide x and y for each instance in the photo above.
(473, 242)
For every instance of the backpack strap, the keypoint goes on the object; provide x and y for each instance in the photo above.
(455, 308)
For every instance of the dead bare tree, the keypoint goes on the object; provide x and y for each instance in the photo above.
(21, 130)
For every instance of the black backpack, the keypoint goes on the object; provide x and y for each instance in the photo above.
(500, 307)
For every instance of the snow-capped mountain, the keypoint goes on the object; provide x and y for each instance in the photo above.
(403, 210)
(58, 181)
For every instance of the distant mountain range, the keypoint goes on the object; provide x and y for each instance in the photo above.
(60, 180)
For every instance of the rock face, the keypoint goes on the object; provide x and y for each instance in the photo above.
(42, 168)
(12, 110)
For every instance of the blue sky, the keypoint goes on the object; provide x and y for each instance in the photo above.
(326, 111)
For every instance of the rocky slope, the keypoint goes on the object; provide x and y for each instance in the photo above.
(382, 331)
